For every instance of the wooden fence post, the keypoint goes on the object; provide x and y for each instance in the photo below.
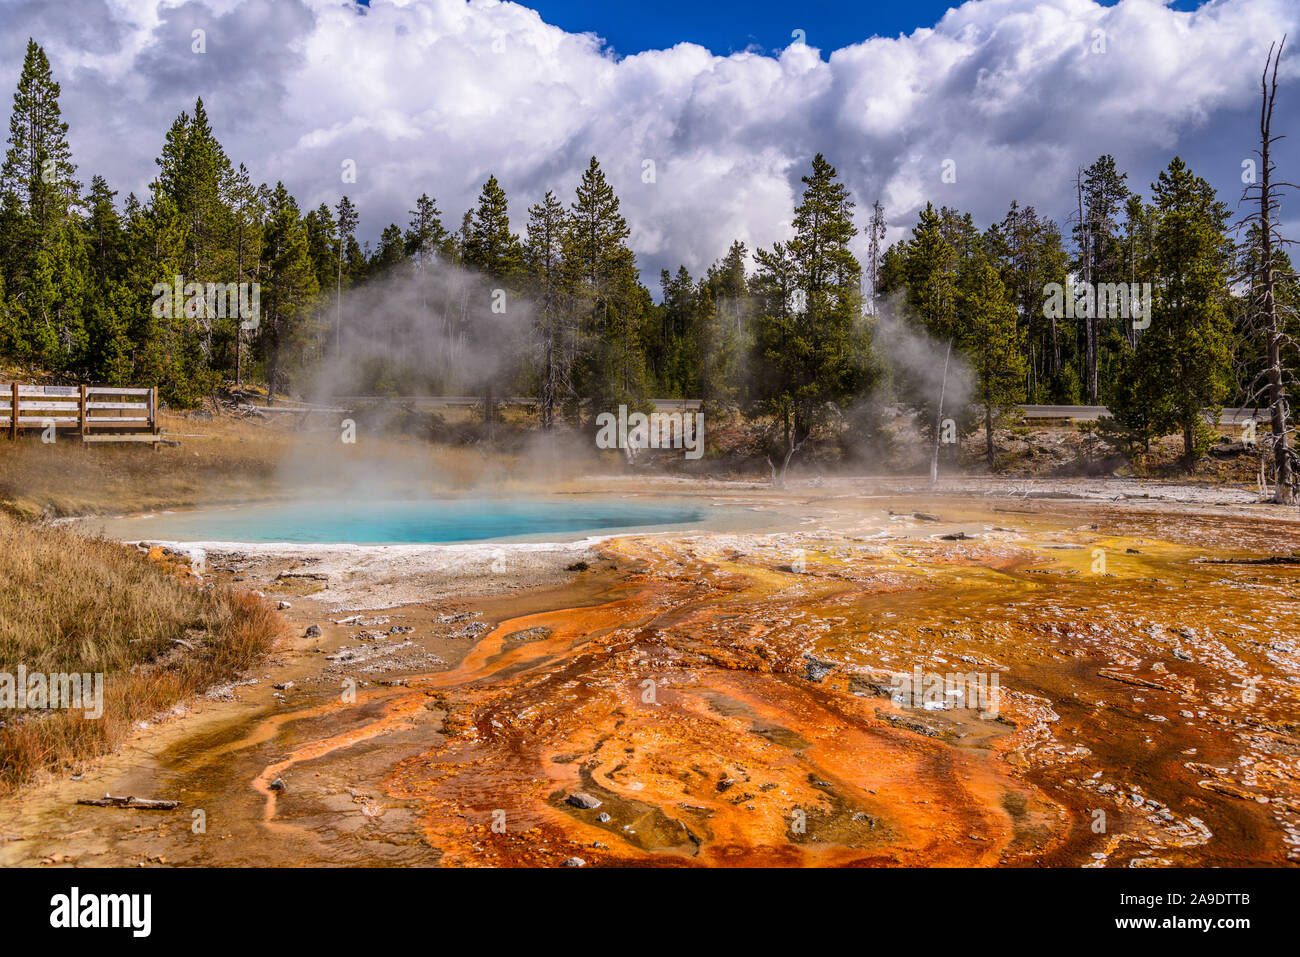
(13, 414)
(84, 411)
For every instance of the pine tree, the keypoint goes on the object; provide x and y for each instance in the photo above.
(103, 231)
(43, 259)
(1101, 194)
(491, 247)
(1184, 356)
(165, 353)
(391, 253)
(927, 267)
(930, 273)
(290, 285)
(37, 175)
(346, 225)
(494, 251)
(721, 359)
(804, 358)
(1031, 256)
(991, 340)
(247, 205)
(672, 350)
(610, 368)
(544, 262)
(426, 238)
(108, 343)
(192, 172)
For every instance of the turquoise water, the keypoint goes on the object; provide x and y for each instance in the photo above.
(385, 523)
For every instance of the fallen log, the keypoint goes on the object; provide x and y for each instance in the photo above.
(143, 804)
(1133, 680)
(1270, 560)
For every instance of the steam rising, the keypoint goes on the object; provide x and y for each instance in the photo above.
(427, 328)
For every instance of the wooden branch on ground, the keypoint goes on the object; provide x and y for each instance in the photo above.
(144, 804)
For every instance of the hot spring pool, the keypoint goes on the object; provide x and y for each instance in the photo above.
(406, 522)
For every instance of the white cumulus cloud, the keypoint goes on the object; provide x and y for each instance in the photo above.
(433, 95)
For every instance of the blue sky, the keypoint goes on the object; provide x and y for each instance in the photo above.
(730, 26)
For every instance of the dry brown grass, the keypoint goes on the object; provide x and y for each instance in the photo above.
(71, 604)
(225, 460)
(219, 460)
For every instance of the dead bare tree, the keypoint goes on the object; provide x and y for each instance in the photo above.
(1266, 317)
(938, 418)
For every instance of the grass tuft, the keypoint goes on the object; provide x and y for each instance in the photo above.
(74, 604)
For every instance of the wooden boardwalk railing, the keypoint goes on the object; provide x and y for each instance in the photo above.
(98, 413)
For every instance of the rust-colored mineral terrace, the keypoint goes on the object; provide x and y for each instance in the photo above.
(1126, 694)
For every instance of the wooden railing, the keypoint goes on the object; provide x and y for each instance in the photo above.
(93, 411)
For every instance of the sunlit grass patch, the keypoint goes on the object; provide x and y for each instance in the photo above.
(70, 604)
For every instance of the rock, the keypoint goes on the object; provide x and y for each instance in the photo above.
(817, 669)
(283, 605)
(401, 630)
(313, 631)
(575, 862)
(283, 686)
(583, 800)
(602, 817)
(536, 633)
(870, 687)
(577, 567)
(1230, 449)
(459, 616)
(279, 785)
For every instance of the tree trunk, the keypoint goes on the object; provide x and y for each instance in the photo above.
(938, 418)
(1090, 321)
(273, 373)
(548, 385)
(1284, 491)
(988, 433)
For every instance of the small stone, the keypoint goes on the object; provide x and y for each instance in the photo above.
(583, 800)
(602, 817)
(313, 631)
(279, 785)
(283, 605)
(283, 686)
(817, 669)
(575, 862)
